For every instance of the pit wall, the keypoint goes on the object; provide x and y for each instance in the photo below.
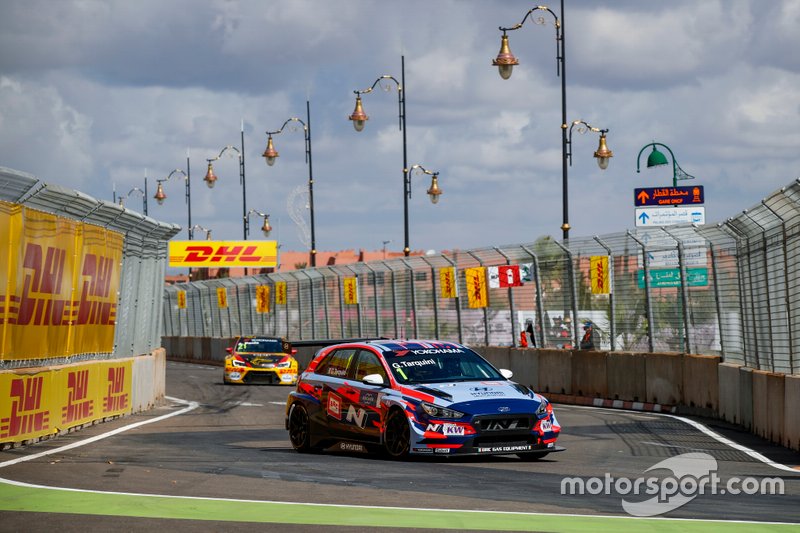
(761, 402)
(40, 403)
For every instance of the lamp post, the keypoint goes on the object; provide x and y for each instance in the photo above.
(140, 191)
(266, 228)
(270, 154)
(211, 178)
(201, 228)
(160, 195)
(505, 61)
(602, 154)
(359, 118)
(433, 192)
(657, 158)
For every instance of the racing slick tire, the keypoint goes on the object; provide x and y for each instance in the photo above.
(300, 429)
(532, 456)
(397, 435)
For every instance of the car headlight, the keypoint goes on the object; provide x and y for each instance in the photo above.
(285, 364)
(542, 410)
(238, 363)
(440, 412)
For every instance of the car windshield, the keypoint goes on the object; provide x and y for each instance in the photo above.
(439, 365)
(259, 345)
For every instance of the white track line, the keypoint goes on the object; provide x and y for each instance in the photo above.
(189, 407)
(704, 429)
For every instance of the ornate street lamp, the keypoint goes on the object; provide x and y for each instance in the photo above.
(505, 61)
(270, 155)
(201, 228)
(211, 178)
(143, 193)
(266, 228)
(160, 195)
(359, 118)
(602, 154)
(657, 158)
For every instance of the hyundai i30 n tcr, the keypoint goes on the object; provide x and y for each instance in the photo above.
(416, 398)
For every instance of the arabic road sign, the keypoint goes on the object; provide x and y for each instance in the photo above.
(668, 196)
(668, 216)
(692, 257)
(671, 277)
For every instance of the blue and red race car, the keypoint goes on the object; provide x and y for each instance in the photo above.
(413, 398)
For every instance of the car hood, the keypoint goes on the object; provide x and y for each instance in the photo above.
(261, 358)
(461, 392)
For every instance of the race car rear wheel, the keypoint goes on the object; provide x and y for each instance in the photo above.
(299, 428)
(532, 456)
(397, 435)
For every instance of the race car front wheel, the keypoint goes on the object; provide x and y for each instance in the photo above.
(299, 428)
(397, 435)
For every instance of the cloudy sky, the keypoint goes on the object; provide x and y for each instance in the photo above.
(93, 94)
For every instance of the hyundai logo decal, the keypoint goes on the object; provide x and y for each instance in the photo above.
(504, 409)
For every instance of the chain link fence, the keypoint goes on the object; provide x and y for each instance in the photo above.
(139, 308)
(729, 289)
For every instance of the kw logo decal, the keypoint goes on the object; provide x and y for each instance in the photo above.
(27, 415)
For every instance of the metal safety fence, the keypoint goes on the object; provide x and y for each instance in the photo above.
(729, 289)
(141, 273)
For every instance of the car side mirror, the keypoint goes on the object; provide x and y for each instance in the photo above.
(229, 350)
(373, 379)
(506, 373)
(294, 351)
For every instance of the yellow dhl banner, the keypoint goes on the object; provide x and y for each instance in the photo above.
(60, 279)
(222, 297)
(181, 295)
(350, 291)
(209, 254)
(262, 299)
(447, 279)
(599, 274)
(476, 287)
(43, 403)
(280, 293)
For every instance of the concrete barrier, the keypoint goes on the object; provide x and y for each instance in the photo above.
(746, 398)
(761, 405)
(148, 380)
(701, 383)
(555, 371)
(589, 374)
(626, 376)
(791, 416)
(729, 391)
(525, 366)
(497, 355)
(663, 378)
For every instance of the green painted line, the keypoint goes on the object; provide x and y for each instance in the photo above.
(53, 500)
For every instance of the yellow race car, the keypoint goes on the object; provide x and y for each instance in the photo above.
(264, 360)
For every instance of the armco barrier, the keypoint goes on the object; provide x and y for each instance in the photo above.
(626, 376)
(663, 374)
(791, 403)
(701, 383)
(730, 392)
(589, 374)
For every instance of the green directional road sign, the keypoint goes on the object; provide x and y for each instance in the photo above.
(671, 277)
